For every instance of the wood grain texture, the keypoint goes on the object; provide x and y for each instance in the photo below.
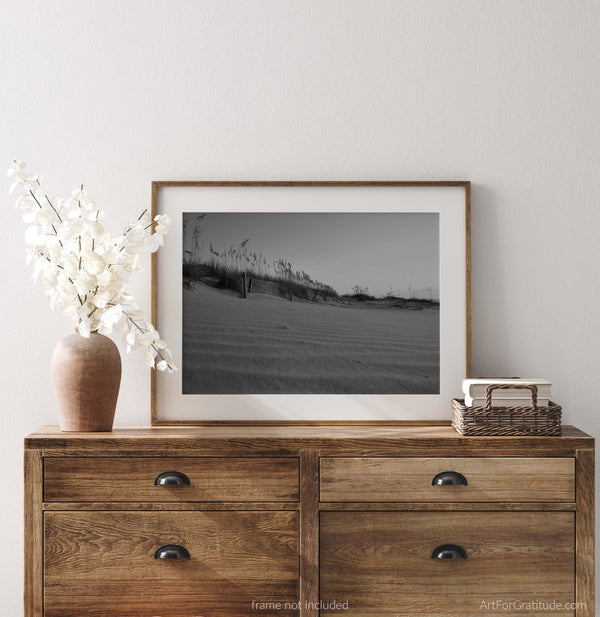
(65, 506)
(132, 479)
(153, 303)
(409, 479)
(99, 550)
(380, 562)
(343, 440)
(157, 184)
(468, 274)
(447, 507)
(62, 506)
(584, 540)
(309, 533)
(350, 183)
(33, 585)
(101, 564)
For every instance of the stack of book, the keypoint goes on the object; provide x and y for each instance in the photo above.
(475, 392)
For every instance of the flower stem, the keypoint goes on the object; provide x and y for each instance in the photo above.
(41, 208)
(139, 218)
(55, 210)
(156, 349)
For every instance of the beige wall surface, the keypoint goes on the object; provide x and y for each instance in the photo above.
(505, 94)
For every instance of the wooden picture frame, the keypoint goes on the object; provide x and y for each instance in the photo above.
(170, 407)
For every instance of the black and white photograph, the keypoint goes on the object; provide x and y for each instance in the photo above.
(310, 303)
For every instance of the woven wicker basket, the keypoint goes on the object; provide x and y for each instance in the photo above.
(490, 420)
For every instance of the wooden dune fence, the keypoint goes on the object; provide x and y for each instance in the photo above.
(259, 286)
(282, 289)
(250, 285)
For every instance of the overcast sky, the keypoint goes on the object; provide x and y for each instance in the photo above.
(375, 250)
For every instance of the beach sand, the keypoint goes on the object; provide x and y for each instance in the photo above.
(268, 345)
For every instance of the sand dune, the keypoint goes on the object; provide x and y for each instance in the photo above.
(268, 345)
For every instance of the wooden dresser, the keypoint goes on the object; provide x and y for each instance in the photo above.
(231, 521)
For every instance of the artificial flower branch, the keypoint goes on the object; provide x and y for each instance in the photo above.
(83, 268)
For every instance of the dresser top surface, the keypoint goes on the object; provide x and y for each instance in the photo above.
(412, 437)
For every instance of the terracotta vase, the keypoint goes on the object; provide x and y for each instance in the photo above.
(87, 374)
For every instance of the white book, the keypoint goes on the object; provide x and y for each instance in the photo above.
(477, 388)
(501, 401)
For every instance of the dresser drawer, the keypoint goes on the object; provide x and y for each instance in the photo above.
(102, 564)
(410, 479)
(382, 563)
(133, 479)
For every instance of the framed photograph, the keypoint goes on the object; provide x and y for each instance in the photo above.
(312, 302)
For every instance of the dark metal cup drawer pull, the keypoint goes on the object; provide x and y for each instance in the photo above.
(171, 478)
(449, 478)
(449, 551)
(172, 551)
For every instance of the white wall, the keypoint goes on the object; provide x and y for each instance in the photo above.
(506, 94)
